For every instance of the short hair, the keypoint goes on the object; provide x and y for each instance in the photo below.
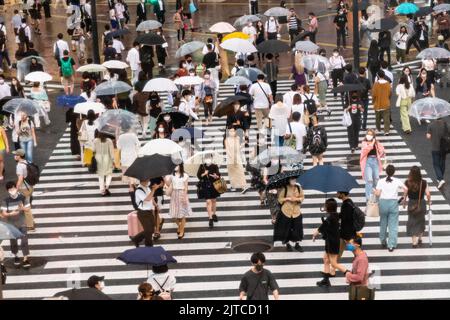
(331, 205)
(160, 269)
(296, 116)
(257, 257)
(240, 62)
(311, 14)
(251, 57)
(261, 76)
(381, 74)
(362, 70)
(107, 27)
(294, 87)
(269, 56)
(60, 36)
(210, 40)
(345, 193)
(384, 64)
(209, 46)
(24, 20)
(66, 52)
(16, 11)
(186, 93)
(278, 98)
(243, 87)
(348, 67)
(10, 185)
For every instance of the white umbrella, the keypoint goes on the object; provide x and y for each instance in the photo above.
(222, 27)
(148, 25)
(165, 147)
(84, 107)
(115, 64)
(189, 81)
(189, 48)
(434, 53)
(237, 81)
(277, 12)
(192, 164)
(38, 76)
(238, 45)
(92, 68)
(160, 85)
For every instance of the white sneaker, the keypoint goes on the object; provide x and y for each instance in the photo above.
(441, 184)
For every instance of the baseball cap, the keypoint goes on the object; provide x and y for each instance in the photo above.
(93, 280)
(19, 152)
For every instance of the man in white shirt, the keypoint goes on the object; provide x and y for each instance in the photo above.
(61, 46)
(16, 21)
(288, 97)
(272, 28)
(5, 89)
(298, 129)
(134, 62)
(250, 30)
(118, 45)
(337, 64)
(211, 42)
(262, 95)
(27, 33)
(185, 105)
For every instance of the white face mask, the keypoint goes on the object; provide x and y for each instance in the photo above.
(13, 193)
(208, 161)
(369, 137)
(161, 130)
(166, 118)
(335, 54)
(206, 76)
(177, 169)
(185, 65)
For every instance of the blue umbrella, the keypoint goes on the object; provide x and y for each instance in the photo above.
(8, 232)
(150, 256)
(406, 8)
(69, 101)
(327, 179)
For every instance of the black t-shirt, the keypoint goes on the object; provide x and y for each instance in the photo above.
(109, 53)
(257, 285)
(159, 191)
(210, 60)
(340, 20)
(347, 230)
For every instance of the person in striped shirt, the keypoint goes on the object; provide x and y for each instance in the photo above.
(294, 24)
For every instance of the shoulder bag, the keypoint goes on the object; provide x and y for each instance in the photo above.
(220, 185)
(292, 141)
(372, 208)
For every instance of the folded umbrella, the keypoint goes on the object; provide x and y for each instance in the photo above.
(328, 179)
(189, 48)
(222, 27)
(277, 12)
(226, 107)
(148, 25)
(430, 227)
(68, 100)
(238, 45)
(406, 8)
(111, 88)
(30, 107)
(160, 85)
(117, 33)
(348, 88)
(116, 121)
(236, 35)
(115, 64)
(384, 24)
(242, 21)
(150, 256)
(84, 107)
(179, 119)
(282, 179)
(442, 7)
(92, 68)
(192, 164)
(273, 46)
(306, 46)
(189, 81)
(83, 294)
(429, 109)
(150, 39)
(249, 73)
(38, 76)
(237, 81)
(160, 146)
(149, 167)
(8, 231)
(434, 53)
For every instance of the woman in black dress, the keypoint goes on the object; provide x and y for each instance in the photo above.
(207, 173)
(73, 119)
(260, 37)
(329, 229)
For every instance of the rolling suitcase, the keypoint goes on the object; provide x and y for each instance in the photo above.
(134, 225)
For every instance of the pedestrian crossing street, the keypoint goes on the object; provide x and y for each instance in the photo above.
(80, 233)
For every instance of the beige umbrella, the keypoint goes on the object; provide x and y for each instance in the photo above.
(192, 164)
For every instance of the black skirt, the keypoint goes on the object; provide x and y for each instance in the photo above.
(332, 247)
(288, 229)
(207, 190)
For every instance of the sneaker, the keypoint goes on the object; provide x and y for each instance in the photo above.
(289, 247)
(325, 282)
(26, 264)
(384, 245)
(215, 218)
(211, 223)
(16, 261)
(298, 247)
(245, 190)
(441, 184)
(31, 230)
(391, 249)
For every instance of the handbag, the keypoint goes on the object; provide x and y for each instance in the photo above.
(361, 293)
(372, 208)
(220, 185)
(347, 119)
(208, 99)
(292, 141)
(82, 134)
(415, 209)
(93, 166)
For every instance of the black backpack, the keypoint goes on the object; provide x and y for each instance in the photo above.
(359, 218)
(22, 35)
(133, 198)
(33, 174)
(310, 104)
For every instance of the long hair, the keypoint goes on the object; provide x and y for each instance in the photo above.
(297, 99)
(181, 172)
(390, 170)
(91, 117)
(414, 179)
(404, 80)
(373, 49)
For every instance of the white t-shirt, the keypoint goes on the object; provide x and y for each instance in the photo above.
(141, 195)
(389, 190)
(271, 26)
(260, 98)
(279, 115)
(128, 144)
(118, 45)
(133, 59)
(62, 45)
(166, 280)
(299, 130)
(178, 182)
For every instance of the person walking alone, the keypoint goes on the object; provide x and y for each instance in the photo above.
(435, 131)
(405, 93)
(381, 95)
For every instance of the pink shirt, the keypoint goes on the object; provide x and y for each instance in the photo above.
(313, 24)
(359, 274)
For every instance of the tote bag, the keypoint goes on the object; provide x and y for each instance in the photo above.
(372, 208)
(346, 119)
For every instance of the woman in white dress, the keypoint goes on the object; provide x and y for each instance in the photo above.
(128, 145)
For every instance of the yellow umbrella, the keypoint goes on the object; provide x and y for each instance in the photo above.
(236, 35)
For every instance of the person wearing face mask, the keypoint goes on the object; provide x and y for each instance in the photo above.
(185, 106)
(272, 28)
(161, 132)
(337, 64)
(329, 229)
(235, 161)
(340, 22)
(12, 210)
(424, 85)
(207, 173)
(256, 283)
(347, 230)
(178, 20)
(372, 153)
(207, 93)
(354, 109)
(288, 227)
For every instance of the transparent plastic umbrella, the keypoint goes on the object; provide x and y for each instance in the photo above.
(249, 73)
(312, 61)
(429, 109)
(442, 7)
(189, 48)
(92, 68)
(30, 107)
(160, 85)
(111, 88)
(192, 164)
(148, 25)
(222, 27)
(115, 64)
(117, 121)
(189, 81)
(306, 46)
(434, 53)
(237, 81)
(277, 12)
(242, 21)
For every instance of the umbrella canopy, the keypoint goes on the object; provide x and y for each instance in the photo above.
(237, 81)
(442, 7)
(38, 76)
(24, 63)
(111, 88)
(226, 107)
(117, 33)
(282, 179)
(84, 107)
(249, 73)
(406, 8)
(92, 68)
(189, 81)
(328, 179)
(83, 294)
(189, 48)
(348, 88)
(114, 64)
(116, 121)
(179, 119)
(151, 256)
(160, 146)
(434, 53)
(149, 167)
(150, 39)
(273, 46)
(192, 164)
(188, 133)
(238, 45)
(429, 109)
(69, 101)
(382, 25)
(285, 154)
(408, 29)
(424, 11)
(313, 61)
(242, 21)
(8, 232)
(300, 37)
(277, 12)
(222, 27)
(160, 85)
(2, 103)
(30, 107)
(148, 25)
(236, 35)
(306, 46)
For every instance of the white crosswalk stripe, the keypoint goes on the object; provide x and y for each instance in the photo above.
(78, 229)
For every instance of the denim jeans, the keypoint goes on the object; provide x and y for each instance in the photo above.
(27, 146)
(439, 164)
(389, 220)
(278, 140)
(371, 175)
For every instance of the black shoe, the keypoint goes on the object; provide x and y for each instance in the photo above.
(211, 223)
(298, 247)
(156, 236)
(107, 192)
(136, 244)
(327, 275)
(325, 282)
(415, 246)
(384, 245)
(391, 249)
(420, 242)
(215, 218)
(289, 247)
(16, 261)
(26, 264)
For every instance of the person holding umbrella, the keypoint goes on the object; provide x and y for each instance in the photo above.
(207, 173)
(179, 198)
(39, 94)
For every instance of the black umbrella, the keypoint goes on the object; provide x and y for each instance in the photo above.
(384, 24)
(348, 88)
(179, 119)
(226, 107)
(424, 11)
(364, 5)
(281, 179)
(148, 167)
(116, 33)
(83, 294)
(273, 46)
(150, 39)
